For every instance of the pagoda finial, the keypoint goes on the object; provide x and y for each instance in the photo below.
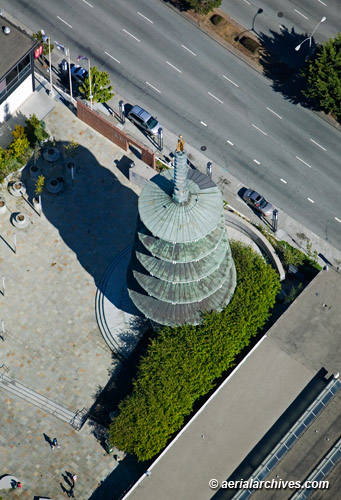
(180, 193)
(181, 144)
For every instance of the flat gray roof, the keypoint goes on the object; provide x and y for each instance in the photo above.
(302, 342)
(13, 46)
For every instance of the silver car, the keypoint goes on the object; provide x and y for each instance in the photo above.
(257, 202)
(145, 120)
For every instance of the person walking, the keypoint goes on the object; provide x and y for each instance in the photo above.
(55, 443)
(74, 479)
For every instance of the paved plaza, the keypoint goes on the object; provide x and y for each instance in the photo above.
(52, 342)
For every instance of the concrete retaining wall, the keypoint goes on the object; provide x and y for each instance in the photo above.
(241, 224)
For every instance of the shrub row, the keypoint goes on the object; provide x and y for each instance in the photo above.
(183, 363)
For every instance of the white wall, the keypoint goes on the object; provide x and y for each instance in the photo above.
(15, 100)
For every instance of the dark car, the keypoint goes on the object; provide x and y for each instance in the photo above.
(78, 73)
(144, 120)
(256, 201)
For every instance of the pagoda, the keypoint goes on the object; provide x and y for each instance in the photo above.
(181, 264)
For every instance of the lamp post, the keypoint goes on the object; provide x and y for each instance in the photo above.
(91, 96)
(297, 48)
(48, 39)
(67, 53)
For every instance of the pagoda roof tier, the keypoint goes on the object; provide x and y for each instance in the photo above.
(165, 313)
(182, 252)
(184, 293)
(180, 222)
(187, 271)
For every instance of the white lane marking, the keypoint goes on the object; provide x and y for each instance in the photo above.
(125, 31)
(337, 219)
(259, 129)
(214, 97)
(274, 113)
(317, 144)
(229, 142)
(247, 2)
(88, 3)
(256, 161)
(311, 201)
(204, 124)
(282, 180)
(230, 81)
(303, 162)
(139, 13)
(152, 86)
(300, 13)
(186, 48)
(167, 62)
(112, 57)
(64, 21)
(323, 3)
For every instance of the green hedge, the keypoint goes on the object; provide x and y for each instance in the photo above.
(183, 363)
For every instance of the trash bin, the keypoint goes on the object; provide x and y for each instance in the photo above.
(108, 447)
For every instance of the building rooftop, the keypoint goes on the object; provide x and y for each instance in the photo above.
(253, 409)
(13, 46)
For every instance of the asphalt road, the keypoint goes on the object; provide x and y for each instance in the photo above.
(195, 86)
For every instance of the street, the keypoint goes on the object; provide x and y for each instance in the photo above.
(196, 87)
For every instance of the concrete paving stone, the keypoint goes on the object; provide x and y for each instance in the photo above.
(53, 345)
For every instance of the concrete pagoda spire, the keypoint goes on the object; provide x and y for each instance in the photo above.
(181, 264)
(180, 194)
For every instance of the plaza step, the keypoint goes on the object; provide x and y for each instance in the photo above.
(100, 296)
(16, 388)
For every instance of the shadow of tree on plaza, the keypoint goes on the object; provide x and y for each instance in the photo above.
(282, 64)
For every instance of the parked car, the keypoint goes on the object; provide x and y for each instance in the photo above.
(257, 202)
(145, 120)
(78, 73)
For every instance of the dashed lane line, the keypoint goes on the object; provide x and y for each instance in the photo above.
(305, 163)
(125, 31)
(60, 19)
(152, 86)
(231, 81)
(262, 131)
(112, 57)
(269, 109)
(214, 97)
(317, 144)
(144, 17)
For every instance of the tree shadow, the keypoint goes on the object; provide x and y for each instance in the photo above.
(282, 64)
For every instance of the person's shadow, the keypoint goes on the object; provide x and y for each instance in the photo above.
(48, 439)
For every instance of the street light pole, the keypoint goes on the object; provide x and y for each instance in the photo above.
(51, 93)
(69, 64)
(90, 84)
(297, 48)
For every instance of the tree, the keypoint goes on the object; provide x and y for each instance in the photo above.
(101, 88)
(34, 130)
(20, 144)
(203, 6)
(39, 185)
(323, 74)
(182, 364)
(40, 38)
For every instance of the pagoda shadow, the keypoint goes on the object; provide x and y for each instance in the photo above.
(95, 217)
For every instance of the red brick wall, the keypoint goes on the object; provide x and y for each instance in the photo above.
(112, 133)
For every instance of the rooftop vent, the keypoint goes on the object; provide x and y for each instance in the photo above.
(6, 30)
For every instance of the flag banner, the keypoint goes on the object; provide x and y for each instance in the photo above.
(81, 57)
(59, 46)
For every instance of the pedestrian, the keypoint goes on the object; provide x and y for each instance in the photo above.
(55, 443)
(74, 479)
(19, 484)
